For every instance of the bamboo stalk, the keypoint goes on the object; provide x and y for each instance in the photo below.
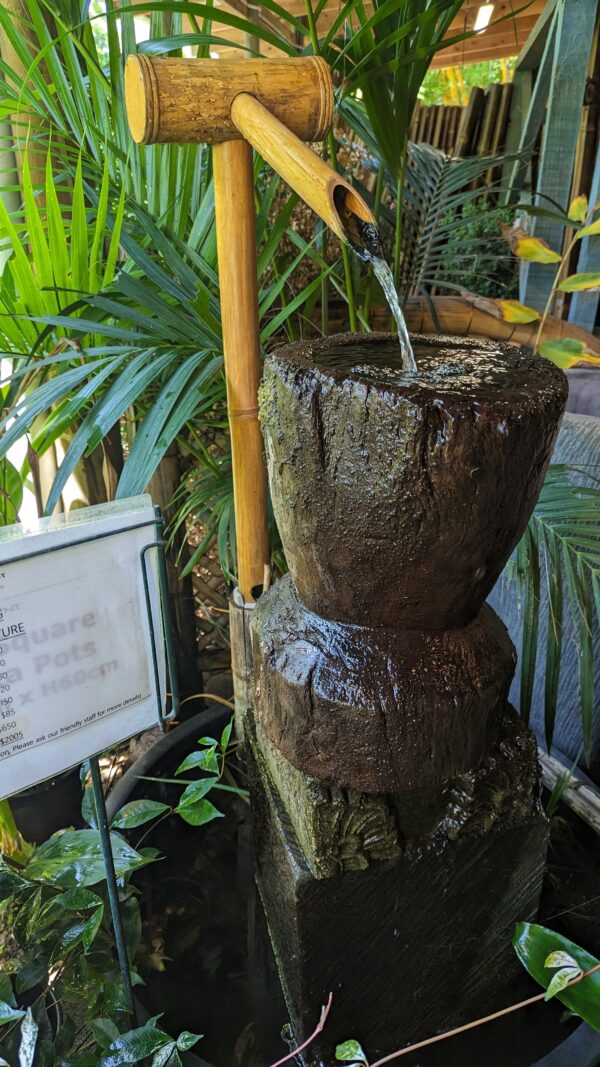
(188, 101)
(500, 127)
(439, 129)
(236, 249)
(468, 122)
(579, 795)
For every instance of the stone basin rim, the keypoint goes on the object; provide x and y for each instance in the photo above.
(532, 380)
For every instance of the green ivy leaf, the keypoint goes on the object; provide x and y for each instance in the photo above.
(74, 858)
(195, 792)
(187, 1040)
(167, 1056)
(8, 1014)
(350, 1050)
(560, 980)
(205, 761)
(77, 900)
(34, 972)
(132, 923)
(10, 881)
(225, 736)
(135, 1045)
(6, 990)
(29, 1036)
(88, 808)
(200, 813)
(138, 812)
(91, 928)
(533, 944)
(105, 1031)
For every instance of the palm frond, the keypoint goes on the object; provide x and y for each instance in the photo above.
(562, 544)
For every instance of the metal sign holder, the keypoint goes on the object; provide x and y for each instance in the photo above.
(158, 544)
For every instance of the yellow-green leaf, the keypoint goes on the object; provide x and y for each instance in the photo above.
(576, 282)
(567, 352)
(578, 209)
(589, 231)
(535, 250)
(513, 311)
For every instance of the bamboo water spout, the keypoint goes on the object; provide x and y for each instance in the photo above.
(328, 194)
(272, 105)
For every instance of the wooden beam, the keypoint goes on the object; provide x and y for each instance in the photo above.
(522, 87)
(503, 40)
(535, 114)
(531, 54)
(584, 306)
(576, 22)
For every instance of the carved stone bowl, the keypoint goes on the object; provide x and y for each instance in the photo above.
(399, 496)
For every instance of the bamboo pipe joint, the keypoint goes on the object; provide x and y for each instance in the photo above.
(189, 101)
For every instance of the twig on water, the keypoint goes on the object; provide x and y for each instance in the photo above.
(324, 1013)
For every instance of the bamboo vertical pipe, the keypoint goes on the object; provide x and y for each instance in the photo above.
(236, 250)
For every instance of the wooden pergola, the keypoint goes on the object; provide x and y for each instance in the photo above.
(505, 36)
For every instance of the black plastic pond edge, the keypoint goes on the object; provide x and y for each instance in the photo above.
(580, 1049)
(187, 733)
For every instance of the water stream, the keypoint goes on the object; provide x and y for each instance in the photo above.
(365, 241)
(383, 273)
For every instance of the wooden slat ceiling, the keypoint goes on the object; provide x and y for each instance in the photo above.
(505, 36)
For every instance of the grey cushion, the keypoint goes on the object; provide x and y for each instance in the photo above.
(579, 444)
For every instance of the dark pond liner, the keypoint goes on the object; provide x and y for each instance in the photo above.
(229, 989)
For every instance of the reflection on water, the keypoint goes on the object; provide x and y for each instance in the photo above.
(457, 369)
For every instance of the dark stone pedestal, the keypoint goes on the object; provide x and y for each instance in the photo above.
(377, 709)
(399, 834)
(413, 945)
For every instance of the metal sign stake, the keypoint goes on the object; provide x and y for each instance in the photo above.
(111, 884)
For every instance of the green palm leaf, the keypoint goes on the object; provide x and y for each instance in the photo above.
(563, 541)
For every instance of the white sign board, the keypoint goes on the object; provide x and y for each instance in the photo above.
(76, 666)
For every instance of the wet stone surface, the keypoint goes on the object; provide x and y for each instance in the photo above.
(341, 829)
(398, 495)
(410, 946)
(377, 710)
